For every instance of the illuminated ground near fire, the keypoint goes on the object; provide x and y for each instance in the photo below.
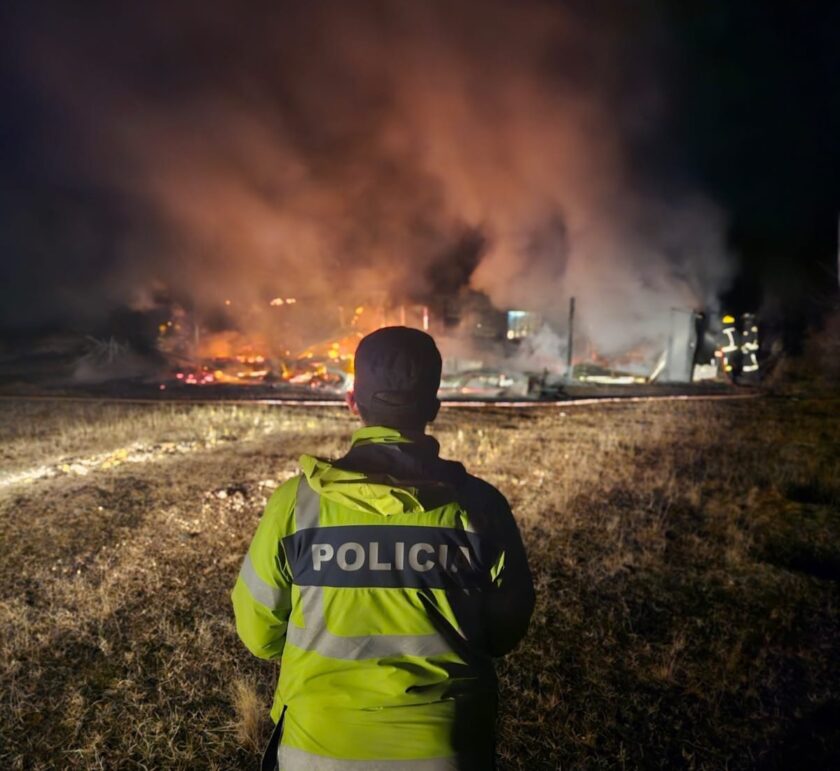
(686, 554)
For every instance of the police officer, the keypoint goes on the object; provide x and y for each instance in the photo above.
(385, 582)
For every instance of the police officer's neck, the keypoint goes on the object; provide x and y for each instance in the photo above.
(415, 434)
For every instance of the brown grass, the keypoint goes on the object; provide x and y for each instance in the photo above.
(687, 558)
(250, 714)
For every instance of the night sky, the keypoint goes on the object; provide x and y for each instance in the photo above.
(757, 112)
(734, 102)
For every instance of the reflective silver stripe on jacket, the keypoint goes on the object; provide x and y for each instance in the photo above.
(307, 506)
(273, 597)
(315, 636)
(293, 759)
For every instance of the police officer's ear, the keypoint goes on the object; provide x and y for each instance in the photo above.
(350, 398)
(435, 410)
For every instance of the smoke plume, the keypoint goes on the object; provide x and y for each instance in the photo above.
(330, 151)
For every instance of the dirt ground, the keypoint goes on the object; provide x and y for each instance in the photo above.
(686, 556)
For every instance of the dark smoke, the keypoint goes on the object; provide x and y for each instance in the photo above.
(331, 150)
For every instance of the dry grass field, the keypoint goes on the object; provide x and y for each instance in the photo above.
(686, 554)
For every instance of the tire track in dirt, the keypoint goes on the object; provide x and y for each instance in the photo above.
(85, 465)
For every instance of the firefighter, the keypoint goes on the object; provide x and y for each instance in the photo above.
(385, 582)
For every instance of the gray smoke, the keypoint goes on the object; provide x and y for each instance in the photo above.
(330, 151)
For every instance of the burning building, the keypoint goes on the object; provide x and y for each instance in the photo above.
(487, 352)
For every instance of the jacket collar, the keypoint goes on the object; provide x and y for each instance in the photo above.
(400, 454)
(382, 435)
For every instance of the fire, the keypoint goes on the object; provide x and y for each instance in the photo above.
(229, 345)
(266, 358)
(198, 376)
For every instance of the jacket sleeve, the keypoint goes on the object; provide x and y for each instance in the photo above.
(262, 596)
(508, 604)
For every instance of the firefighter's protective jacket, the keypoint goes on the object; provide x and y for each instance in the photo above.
(384, 582)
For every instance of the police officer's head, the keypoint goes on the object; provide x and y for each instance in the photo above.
(397, 379)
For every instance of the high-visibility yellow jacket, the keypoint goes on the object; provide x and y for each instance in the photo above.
(384, 582)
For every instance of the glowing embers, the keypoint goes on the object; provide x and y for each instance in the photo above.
(196, 376)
